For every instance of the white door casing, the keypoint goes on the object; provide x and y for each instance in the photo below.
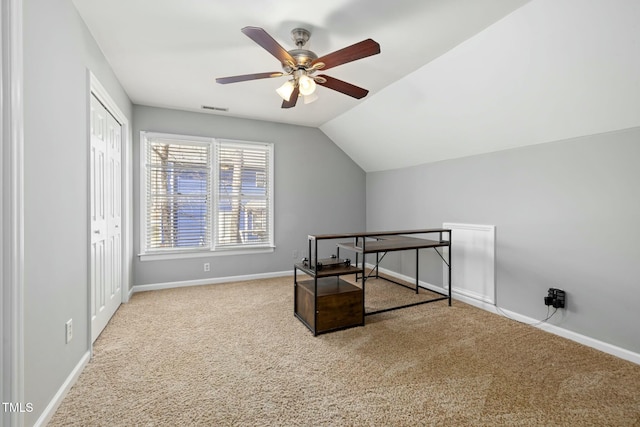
(11, 211)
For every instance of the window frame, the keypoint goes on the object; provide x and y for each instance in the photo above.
(147, 254)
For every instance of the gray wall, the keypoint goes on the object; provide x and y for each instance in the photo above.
(58, 50)
(566, 215)
(318, 189)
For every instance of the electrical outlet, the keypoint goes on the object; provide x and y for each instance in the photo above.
(207, 266)
(555, 297)
(68, 327)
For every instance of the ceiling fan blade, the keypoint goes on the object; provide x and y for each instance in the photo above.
(354, 52)
(245, 77)
(343, 87)
(261, 37)
(292, 100)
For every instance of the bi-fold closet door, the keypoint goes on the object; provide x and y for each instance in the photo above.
(106, 216)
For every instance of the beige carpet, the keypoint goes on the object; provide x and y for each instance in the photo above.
(234, 355)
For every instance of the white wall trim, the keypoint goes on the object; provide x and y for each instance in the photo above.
(605, 347)
(12, 211)
(53, 405)
(210, 281)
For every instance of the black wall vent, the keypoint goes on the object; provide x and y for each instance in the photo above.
(208, 107)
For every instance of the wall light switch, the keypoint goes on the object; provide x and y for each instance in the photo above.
(68, 327)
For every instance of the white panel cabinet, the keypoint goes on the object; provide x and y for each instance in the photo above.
(473, 261)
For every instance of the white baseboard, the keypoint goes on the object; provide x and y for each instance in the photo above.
(210, 281)
(53, 405)
(556, 330)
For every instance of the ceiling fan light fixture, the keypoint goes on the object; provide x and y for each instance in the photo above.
(308, 99)
(307, 85)
(286, 90)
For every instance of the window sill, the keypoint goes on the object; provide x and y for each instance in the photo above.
(202, 254)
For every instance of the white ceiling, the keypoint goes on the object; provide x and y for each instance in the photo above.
(552, 70)
(167, 53)
(454, 77)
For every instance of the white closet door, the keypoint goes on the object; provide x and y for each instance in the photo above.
(106, 205)
(114, 215)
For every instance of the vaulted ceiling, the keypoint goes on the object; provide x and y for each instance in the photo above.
(454, 77)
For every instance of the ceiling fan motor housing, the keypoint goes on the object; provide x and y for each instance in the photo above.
(303, 57)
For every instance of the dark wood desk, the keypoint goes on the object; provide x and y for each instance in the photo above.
(391, 241)
(313, 294)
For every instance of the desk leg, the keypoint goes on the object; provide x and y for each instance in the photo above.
(417, 269)
(449, 269)
(354, 246)
(364, 278)
(364, 295)
(315, 288)
(295, 290)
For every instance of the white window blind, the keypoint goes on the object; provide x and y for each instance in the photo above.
(178, 196)
(205, 194)
(243, 194)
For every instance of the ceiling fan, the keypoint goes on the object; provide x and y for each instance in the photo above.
(301, 64)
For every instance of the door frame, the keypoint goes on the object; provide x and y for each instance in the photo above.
(12, 211)
(98, 90)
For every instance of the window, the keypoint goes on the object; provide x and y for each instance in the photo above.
(205, 194)
(242, 195)
(178, 176)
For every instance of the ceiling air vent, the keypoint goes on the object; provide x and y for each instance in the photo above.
(208, 107)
